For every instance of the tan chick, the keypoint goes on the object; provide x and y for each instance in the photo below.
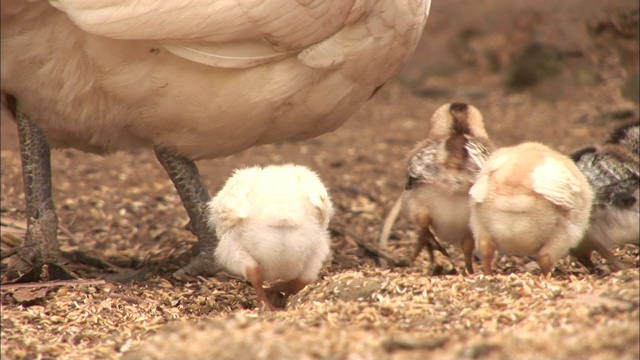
(613, 170)
(192, 79)
(440, 171)
(272, 224)
(529, 200)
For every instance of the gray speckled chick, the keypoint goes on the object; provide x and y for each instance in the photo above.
(612, 169)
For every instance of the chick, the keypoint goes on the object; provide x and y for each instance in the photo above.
(614, 174)
(440, 171)
(272, 224)
(529, 200)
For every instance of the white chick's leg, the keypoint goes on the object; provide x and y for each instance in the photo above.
(194, 195)
(555, 248)
(279, 292)
(552, 251)
(254, 275)
(545, 261)
(308, 274)
(40, 256)
(487, 249)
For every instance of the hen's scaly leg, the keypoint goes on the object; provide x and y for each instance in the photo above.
(40, 246)
(194, 195)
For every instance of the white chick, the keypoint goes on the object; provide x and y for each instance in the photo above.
(440, 171)
(613, 170)
(272, 224)
(529, 200)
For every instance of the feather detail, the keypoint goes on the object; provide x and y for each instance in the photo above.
(555, 182)
(288, 24)
(477, 151)
(480, 188)
(230, 55)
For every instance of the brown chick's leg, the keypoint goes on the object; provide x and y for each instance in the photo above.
(437, 246)
(194, 195)
(425, 240)
(40, 251)
(467, 250)
(254, 275)
(487, 250)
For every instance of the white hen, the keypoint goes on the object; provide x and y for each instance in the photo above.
(192, 78)
(272, 224)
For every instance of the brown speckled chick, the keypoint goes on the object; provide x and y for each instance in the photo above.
(440, 171)
(529, 200)
(614, 174)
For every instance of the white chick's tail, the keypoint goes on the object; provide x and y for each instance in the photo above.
(389, 221)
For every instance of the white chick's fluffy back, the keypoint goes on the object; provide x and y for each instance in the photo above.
(277, 186)
(275, 217)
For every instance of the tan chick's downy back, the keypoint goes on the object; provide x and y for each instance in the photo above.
(529, 200)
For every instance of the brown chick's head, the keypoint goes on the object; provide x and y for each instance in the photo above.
(440, 171)
(454, 150)
(456, 118)
(628, 136)
(529, 200)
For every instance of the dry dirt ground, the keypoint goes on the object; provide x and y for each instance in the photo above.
(560, 72)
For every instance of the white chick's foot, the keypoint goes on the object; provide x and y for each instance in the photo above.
(254, 275)
(279, 292)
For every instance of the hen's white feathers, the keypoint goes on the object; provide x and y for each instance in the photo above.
(210, 78)
(279, 195)
(288, 24)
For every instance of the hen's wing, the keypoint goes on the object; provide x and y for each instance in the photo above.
(223, 33)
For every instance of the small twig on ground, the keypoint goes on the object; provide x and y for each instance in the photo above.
(383, 254)
(128, 299)
(52, 283)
